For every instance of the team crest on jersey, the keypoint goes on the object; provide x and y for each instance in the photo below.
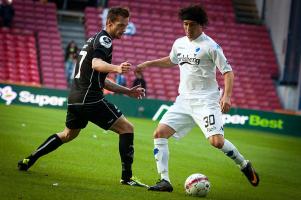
(197, 51)
(105, 41)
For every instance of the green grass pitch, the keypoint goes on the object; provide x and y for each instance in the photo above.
(89, 167)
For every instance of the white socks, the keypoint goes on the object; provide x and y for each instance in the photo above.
(230, 150)
(161, 153)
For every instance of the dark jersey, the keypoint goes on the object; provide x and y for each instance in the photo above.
(88, 84)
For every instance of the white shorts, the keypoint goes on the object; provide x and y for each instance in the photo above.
(184, 114)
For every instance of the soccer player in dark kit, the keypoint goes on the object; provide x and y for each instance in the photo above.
(86, 101)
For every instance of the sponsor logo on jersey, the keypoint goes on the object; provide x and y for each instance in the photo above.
(105, 41)
(210, 129)
(182, 59)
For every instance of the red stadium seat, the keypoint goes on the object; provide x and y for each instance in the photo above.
(40, 18)
(15, 62)
(155, 35)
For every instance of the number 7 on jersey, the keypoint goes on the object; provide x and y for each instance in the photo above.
(83, 56)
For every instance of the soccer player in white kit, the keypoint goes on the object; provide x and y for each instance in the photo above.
(199, 101)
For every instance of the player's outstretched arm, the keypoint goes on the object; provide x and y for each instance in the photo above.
(135, 92)
(102, 66)
(161, 62)
(225, 101)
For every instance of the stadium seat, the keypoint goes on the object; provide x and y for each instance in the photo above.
(14, 63)
(41, 19)
(155, 35)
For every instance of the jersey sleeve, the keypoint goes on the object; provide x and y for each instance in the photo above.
(219, 59)
(173, 54)
(102, 47)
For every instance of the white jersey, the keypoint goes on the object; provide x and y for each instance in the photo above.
(198, 60)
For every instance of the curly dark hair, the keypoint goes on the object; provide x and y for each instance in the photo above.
(195, 13)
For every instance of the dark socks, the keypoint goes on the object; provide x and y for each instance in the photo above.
(52, 143)
(126, 151)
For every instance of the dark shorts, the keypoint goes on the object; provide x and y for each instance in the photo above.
(102, 113)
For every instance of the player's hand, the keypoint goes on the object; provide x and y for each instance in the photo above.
(136, 92)
(140, 67)
(225, 103)
(124, 67)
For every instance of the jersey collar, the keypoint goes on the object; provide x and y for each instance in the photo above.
(106, 33)
(201, 37)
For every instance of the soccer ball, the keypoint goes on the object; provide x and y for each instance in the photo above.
(197, 185)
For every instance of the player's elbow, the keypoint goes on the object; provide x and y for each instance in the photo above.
(232, 75)
(97, 63)
(94, 63)
(229, 75)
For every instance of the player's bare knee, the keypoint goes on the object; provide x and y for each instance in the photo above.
(67, 135)
(158, 133)
(217, 141)
(217, 144)
(128, 128)
(62, 136)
